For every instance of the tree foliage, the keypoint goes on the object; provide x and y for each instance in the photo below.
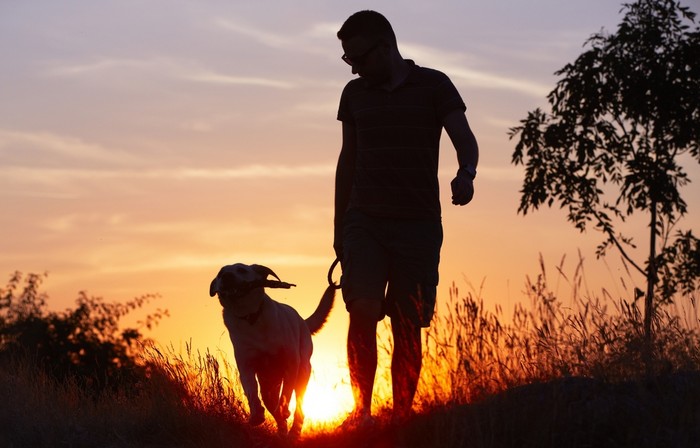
(85, 343)
(623, 123)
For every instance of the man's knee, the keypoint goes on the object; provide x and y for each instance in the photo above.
(365, 311)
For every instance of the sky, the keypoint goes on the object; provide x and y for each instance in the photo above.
(144, 144)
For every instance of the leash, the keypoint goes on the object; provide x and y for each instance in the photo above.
(330, 274)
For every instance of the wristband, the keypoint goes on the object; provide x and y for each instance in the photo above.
(469, 170)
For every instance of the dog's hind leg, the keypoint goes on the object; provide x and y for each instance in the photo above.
(286, 397)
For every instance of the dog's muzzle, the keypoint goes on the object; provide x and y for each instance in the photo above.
(231, 293)
(231, 284)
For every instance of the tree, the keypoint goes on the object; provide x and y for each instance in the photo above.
(624, 118)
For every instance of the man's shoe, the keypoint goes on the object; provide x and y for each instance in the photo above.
(357, 421)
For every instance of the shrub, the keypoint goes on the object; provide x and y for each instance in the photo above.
(85, 343)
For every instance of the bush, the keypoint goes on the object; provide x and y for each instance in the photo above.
(85, 343)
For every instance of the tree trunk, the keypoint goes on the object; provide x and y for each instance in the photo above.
(651, 283)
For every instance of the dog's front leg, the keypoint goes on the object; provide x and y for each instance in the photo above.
(300, 390)
(250, 388)
(270, 385)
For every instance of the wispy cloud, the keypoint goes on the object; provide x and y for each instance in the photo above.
(453, 64)
(490, 172)
(26, 174)
(323, 30)
(313, 39)
(72, 221)
(161, 67)
(101, 64)
(256, 172)
(67, 147)
(264, 37)
(43, 164)
(219, 78)
(494, 81)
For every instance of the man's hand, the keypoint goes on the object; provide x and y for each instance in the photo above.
(462, 188)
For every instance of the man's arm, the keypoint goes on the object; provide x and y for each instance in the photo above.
(344, 178)
(464, 141)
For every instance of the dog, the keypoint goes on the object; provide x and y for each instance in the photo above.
(270, 341)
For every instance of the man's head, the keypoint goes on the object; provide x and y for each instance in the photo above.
(369, 24)
(369, 43)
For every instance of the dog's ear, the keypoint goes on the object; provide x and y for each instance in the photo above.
(214, 286)
(263, 271)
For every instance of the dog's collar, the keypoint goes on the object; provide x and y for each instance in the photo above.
(253, 317)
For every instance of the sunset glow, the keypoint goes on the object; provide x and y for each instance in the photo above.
(327, 402)
(143, 145)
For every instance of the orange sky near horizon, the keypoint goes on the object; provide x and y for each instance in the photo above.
(143, 146)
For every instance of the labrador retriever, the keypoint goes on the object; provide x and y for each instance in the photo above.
(270, 340)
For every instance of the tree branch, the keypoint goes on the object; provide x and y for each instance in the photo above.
(624, 254)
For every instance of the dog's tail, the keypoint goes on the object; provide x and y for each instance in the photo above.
(319, 317)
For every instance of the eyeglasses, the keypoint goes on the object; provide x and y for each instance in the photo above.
(359, 60)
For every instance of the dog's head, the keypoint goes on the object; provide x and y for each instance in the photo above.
(239, 280)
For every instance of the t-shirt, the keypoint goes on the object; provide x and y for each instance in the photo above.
(398, 139)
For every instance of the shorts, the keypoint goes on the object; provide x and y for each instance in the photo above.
(394, 261)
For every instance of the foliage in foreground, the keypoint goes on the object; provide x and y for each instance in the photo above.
(86, 344)
(587, 337)
(564, 372)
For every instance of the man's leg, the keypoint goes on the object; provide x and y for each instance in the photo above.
(415, 249)
(362, 352)
(405, 365)
(364, 279)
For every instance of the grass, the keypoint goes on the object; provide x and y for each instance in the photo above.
(40, 411)
(557, 374)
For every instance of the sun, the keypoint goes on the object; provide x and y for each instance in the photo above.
(326, 400)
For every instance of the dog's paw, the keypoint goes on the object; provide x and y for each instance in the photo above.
(283, 408)
(282, 429)
(284, 412)
(295, 432)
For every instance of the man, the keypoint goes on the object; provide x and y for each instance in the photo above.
(388, 229)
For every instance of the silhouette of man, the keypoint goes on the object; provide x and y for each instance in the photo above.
(388, 229)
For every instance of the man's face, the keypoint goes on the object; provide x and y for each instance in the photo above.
(368, 58)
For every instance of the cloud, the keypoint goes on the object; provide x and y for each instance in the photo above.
(490, 172)
(76, 149)
(43, 164)
(315, 39)
(264, 37)
(257, 172)
(52, 176)
(160, 67)
(493, 81)
(75, 221)
(323, 30)
(101, 65)
(218, 78)
(453, 64)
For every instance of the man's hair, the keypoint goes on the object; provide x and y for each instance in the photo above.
(368, 24)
